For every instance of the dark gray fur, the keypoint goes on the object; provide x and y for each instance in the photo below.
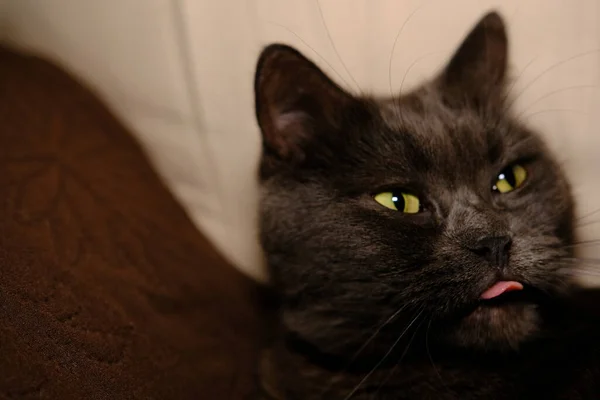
(343, 264)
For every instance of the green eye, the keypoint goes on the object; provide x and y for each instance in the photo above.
(510, 178)
(399, 201)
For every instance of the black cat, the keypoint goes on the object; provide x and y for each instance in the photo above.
(422, 245)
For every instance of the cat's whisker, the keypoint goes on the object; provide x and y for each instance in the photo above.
(516, 80)
(523, 142)
(406, 21)
(517, 9)
(580, 267)
(588, 241)
(386, 355)
(437, 372)
(334, 46)
(583, 243)
(582, 260)
(591, 274)
(588, 223)
(550, 69)
(596, 211)
(413, 64)
(364, 346)
(527, 117)
(312, 49)
(580, 246)
(538, 100)
(584, 272)
(393, 369)
(372, 337)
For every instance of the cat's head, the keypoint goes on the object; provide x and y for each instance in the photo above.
(422, 203)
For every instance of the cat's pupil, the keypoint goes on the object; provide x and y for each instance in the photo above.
(509, 176)
(398, 201)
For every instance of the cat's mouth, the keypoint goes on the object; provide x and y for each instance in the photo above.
(503, 315)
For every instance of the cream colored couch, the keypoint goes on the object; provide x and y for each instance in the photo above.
(179, 72)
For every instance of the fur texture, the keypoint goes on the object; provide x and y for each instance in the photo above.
(370, 295)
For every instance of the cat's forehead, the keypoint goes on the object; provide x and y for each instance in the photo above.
(426, 119)
(450, 136)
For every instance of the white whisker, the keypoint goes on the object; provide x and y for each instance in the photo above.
(364, 346)
(334, 46)
(312, 49)
(364, 379)
(550, 69)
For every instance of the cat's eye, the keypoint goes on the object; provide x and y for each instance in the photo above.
(399, 201)
(510, 178)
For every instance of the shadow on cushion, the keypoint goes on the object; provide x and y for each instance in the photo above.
(107, 290)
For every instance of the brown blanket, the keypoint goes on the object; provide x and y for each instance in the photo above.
(107, 290)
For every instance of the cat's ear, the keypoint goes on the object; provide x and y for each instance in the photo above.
(477, 70)
(295, 101)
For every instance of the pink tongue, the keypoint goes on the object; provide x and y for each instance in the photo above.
(500, 287)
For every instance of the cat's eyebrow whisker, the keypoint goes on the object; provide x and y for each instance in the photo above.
(587, 223)
(548, 70)
(528, 116)
(523, 142)
(334, 46)
(406, 21)
(589, 214)
(516, 80)
(386, 355)
(539, 99)
(413, 64)
(312, 49)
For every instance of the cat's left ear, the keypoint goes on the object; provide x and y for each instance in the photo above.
(477, 70)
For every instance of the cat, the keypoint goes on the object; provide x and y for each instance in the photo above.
(421, 245)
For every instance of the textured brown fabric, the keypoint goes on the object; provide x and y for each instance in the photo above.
(107, 290)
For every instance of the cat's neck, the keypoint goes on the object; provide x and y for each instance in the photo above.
(293, 365)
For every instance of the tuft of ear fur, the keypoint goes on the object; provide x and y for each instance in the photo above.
(295, 102)
(476, 72)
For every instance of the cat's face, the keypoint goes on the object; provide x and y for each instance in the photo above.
(422, 203)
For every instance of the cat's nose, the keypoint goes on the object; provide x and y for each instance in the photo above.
(494, 249)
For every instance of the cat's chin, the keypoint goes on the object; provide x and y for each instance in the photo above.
(497, 326)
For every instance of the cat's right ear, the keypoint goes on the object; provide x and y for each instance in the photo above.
(295, 102)
(477, 70)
